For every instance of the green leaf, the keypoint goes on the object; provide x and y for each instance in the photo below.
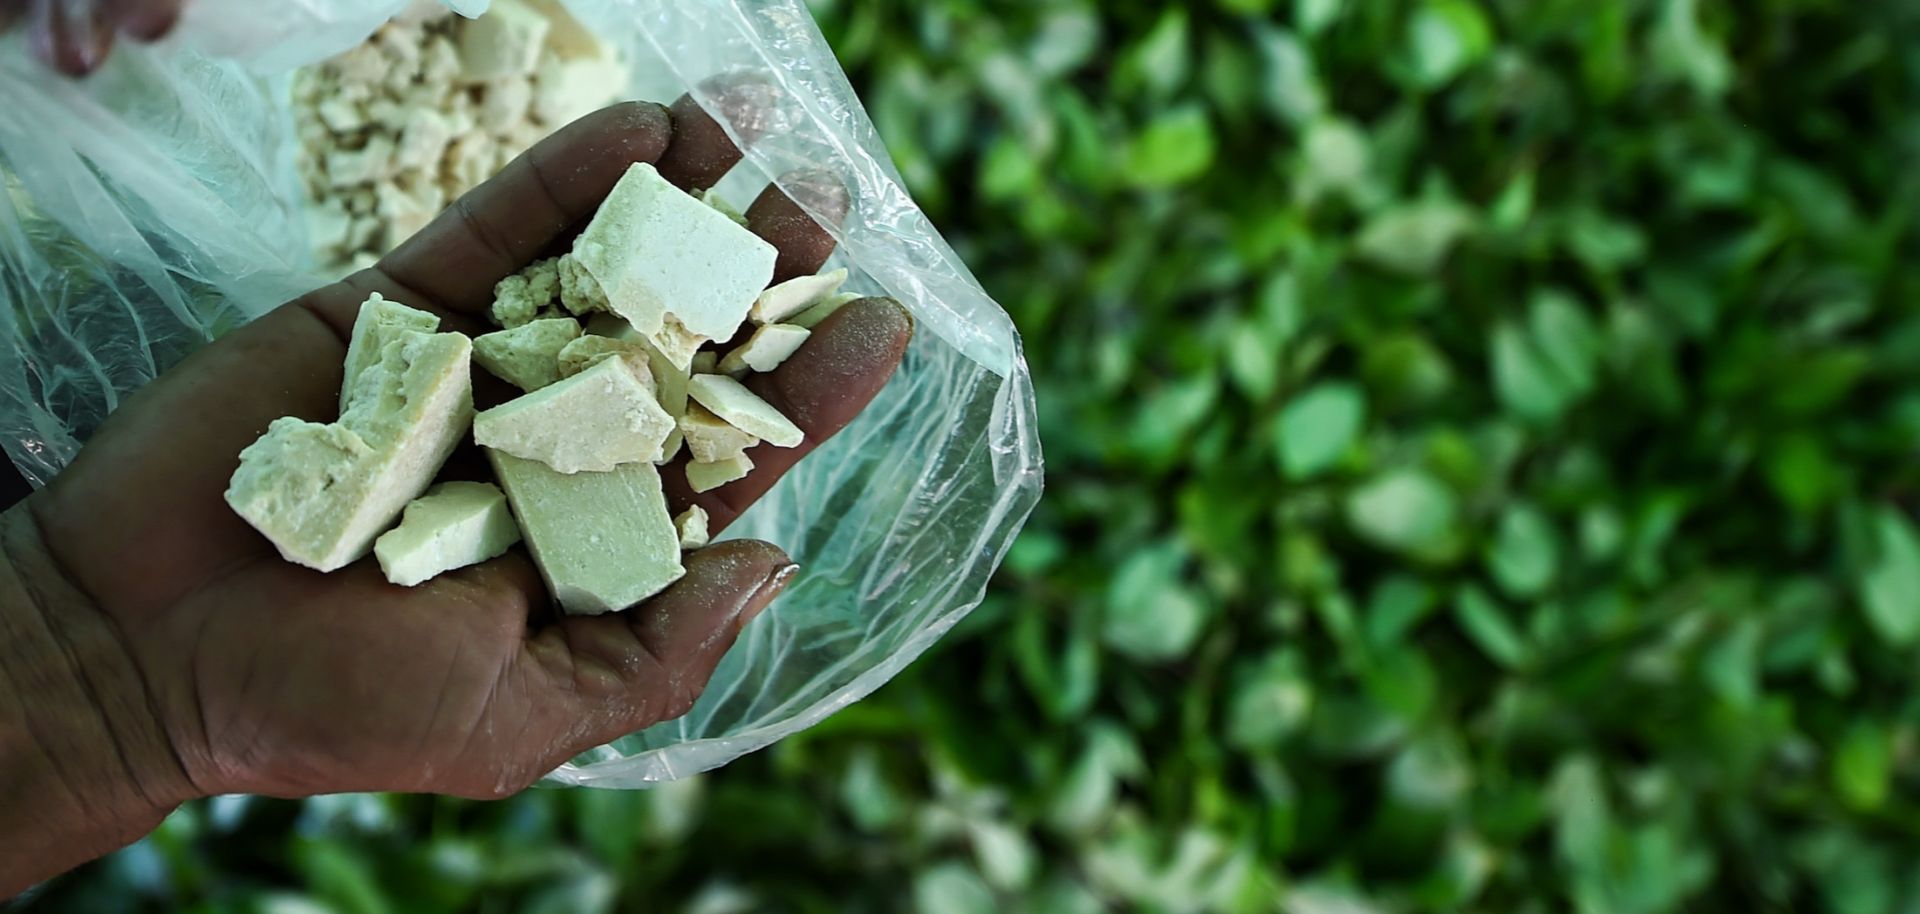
(1406, 511)
(1315, 15)
(342, 876)
(1176, 147)
(952, 888)
(1487, 625)
(1413, 238)
(1525, 552)
(1406, 369)
(1269, 702)
(1863, 766)
(1800, 472)
(1160, 60)
(1009, 170)
(1890, 585)
(1254, 365)
(1524, 380)
(1151, 614)
(1444, 37)
(1318, 426)
(1566, 339)
(1395, 607)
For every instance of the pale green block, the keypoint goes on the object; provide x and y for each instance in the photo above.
(527, 356)
(705, 477)
(812, 317)
(603, 541)
(692, 525)
(789, 298)
(710, 438)
(379, 322)
(611, 325)
(322, 493)
(594, 421)
(589, 350)
(657, 252)
(732, 401)
(454, 525)
(765, 350)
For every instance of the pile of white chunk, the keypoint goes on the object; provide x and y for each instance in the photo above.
(399, 126)
(657, 275)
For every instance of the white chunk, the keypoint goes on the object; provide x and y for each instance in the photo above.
(423, 140)
(454, 525)
(765, 350)
(705, 477)
(358, 166)
(732, 401)
(505, 102)
(704, 363)
(504, 42)
(692, 527)
(566, 90)
(596, 420)
(658, 253)
(794, 296)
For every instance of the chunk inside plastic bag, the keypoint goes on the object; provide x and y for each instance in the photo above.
(156, 205)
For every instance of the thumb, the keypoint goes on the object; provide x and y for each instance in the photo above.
(613, 675)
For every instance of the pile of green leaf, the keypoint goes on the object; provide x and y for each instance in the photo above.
(1483, 440)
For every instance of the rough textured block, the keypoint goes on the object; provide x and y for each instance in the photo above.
(732, 401)
(705, 477)
(765, 349)
(658, 253)
(527, 356)
(692, 527)
(711, 438)
(602, 541)
(454, 525)
(504, 42)
(587, 351)
(795, 295)
(321, 493)
(379, 322)
(594, 421)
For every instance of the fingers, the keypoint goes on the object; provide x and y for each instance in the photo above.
(822, 387)
(144, 20)
(74, 38)
(702, 153)
(615, 674)
(804, 244)
(502, 225)
(71, 40)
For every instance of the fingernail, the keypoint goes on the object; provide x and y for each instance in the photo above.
(763, 597)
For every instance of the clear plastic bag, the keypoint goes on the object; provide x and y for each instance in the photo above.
(155, 205)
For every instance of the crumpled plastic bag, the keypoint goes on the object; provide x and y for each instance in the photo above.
(155, 206)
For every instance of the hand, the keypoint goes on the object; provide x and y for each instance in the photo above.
(197, 662)
(75, 37)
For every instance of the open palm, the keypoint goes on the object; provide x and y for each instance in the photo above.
(266, 677)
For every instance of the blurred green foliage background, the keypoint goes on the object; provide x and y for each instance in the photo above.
(1482, 460)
